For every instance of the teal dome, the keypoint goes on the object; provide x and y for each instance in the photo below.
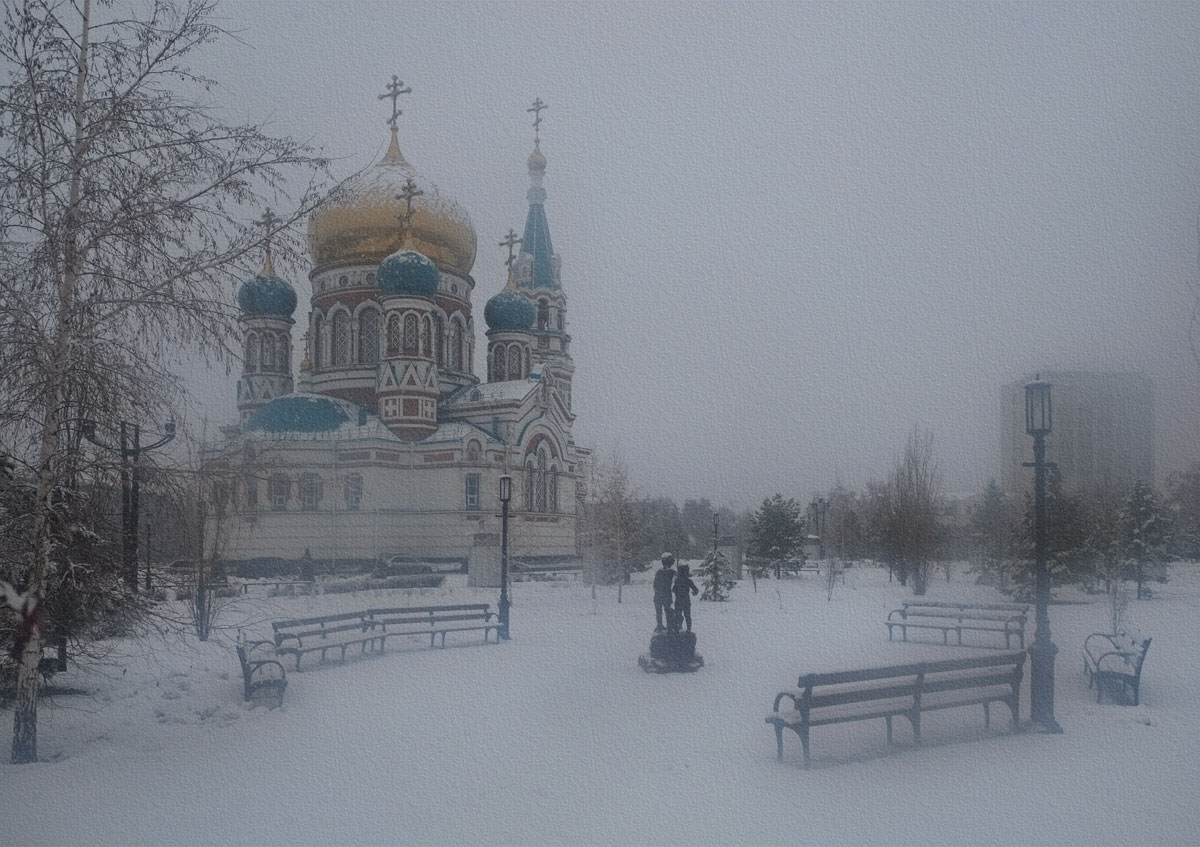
(301, 413)
(268, 295)
(407, 273)
(509, 310)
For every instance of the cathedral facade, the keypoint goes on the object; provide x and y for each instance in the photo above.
(387, 443)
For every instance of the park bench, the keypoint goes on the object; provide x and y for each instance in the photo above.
(898, 691)
(329, 632)
(260, 673)
(432, 621)
(1114, 661)
(1005, 618)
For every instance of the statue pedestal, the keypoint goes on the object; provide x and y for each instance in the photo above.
(671, 652)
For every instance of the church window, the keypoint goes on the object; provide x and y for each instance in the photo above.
(310, 491)
(559, 320)
(530, 481)
(514, 362)
(526, 360)
(317, 356)
(552, 489)
(540, 492)
(279, 492)
(268, 352)
(426, 332)
(455, 344)
(498, 363)
(472, 494)
(285, 353)
(341, 339)
(473, 451)
(543, 314)
(251, 356)
(439, 347)
(410, 334)
(354, 487)
(393, 335)
(368, 337)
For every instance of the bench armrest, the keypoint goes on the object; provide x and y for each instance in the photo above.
(1104, 642)
(258, 664)
(794, 696)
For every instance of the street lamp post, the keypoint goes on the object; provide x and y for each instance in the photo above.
(130, 451)
(505, 497)
(1038, 421)
(820, 506)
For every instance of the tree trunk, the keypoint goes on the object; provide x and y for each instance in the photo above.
(24, 744)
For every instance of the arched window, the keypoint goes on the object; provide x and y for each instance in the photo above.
(285, 353)
(251, 357)
(552, 489)
(279, 485)
(439, 341)
(368, 337)
(268, 352)
(353, 491)
(411, 341)
(498, 363)
(514, 362)
(559, 320)
(543, 314)
(315, 343)
(455, 344)
(426, 332)
(341, 339)
(530, 483)
(393, 335)
(473, 451)
(540, 492)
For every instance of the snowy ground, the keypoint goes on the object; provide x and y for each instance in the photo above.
(558, 737)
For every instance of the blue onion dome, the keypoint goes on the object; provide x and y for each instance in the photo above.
(407, 273)
(301, 413)
(509, 310)
(267, 294)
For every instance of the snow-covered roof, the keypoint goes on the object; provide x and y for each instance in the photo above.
(512, 391)
(317, 417)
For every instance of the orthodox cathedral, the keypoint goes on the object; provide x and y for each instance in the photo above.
(388, 443)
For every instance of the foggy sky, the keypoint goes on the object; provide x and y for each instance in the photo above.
(789, 232)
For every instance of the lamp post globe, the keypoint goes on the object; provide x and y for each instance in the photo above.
(1038, 424)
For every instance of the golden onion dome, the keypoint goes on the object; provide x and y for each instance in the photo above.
(361, 221)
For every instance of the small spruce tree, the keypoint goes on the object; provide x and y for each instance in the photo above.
(715, 582)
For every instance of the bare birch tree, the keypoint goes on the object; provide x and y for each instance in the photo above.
(126, 209)
(916, 486)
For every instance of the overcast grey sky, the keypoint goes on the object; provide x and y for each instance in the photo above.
(790, 232)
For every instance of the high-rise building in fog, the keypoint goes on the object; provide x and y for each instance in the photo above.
(1102, 437)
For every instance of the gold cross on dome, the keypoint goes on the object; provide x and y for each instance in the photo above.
(510, 241)
(537, 108)
(394, 89)
(408, 193)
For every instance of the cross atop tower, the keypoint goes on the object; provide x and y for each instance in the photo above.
(510, 241)
(537, 108)
(408, 193)
(394, 89)
(269, 221)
